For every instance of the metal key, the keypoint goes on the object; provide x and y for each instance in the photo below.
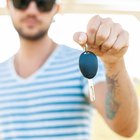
(91, 90)
(88, 65)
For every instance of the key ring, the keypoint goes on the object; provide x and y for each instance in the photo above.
(85, 47)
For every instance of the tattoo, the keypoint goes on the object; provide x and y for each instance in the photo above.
(111, 104)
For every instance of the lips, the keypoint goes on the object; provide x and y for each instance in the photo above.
(31, 22)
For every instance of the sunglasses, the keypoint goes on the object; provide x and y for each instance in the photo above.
(42, 5)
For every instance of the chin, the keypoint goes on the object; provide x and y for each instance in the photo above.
(32, 37)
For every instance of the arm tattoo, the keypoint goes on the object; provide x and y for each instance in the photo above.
(111, 104)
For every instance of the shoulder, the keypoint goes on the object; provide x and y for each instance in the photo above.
(67, 54)
(68, 50)
(4, 65)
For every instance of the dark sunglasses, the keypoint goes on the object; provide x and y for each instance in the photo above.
(42, 5)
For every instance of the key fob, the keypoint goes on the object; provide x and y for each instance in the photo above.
(88, 64)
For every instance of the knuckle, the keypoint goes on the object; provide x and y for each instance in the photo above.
(94, 19)
(124, 34)
(107, 20)
(97, 17)
(117, 26)
(91, 29)
(107, 45)
(115, 48)
(101, 37)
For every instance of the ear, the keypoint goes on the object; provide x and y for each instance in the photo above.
(8, 3)
(56, 8)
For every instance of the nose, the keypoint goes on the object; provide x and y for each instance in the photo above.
(32, 8)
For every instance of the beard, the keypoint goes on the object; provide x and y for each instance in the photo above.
(37, 36)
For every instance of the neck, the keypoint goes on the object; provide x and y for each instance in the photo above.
(32, 54)
(31, 49)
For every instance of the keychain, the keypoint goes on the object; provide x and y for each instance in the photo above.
(88, 65)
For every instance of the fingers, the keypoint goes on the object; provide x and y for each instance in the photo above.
(114, 33)
(103, 36)
(92, 29)
(80, 38)
(121, 43)
(98, 30)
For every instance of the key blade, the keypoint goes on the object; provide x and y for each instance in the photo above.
(91, 90)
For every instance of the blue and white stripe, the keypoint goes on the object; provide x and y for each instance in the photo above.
(50, 104)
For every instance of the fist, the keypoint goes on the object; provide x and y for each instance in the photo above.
(104, 38)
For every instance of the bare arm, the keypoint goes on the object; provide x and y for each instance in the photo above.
(117, 102)
(116, 99)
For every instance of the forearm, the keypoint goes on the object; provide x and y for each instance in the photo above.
(121, 107)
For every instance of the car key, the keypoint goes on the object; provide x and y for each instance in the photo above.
(88, 65)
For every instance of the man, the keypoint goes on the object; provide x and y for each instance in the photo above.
(43, 95)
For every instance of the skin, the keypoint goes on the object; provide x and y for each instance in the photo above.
(30, 23)
(116, 99)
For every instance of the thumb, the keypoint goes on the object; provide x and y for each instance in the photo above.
(80, 38)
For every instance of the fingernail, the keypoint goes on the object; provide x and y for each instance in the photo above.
(82, 38)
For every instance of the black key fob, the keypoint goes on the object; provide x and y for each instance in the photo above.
(88, 64)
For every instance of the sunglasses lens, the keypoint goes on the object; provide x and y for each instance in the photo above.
(21, 4)
(45, 5)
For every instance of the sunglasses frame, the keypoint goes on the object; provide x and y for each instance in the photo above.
(42, 5)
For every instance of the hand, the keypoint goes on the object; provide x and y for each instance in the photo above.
(104, 38)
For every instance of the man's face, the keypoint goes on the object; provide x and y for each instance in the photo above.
(31, 23)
